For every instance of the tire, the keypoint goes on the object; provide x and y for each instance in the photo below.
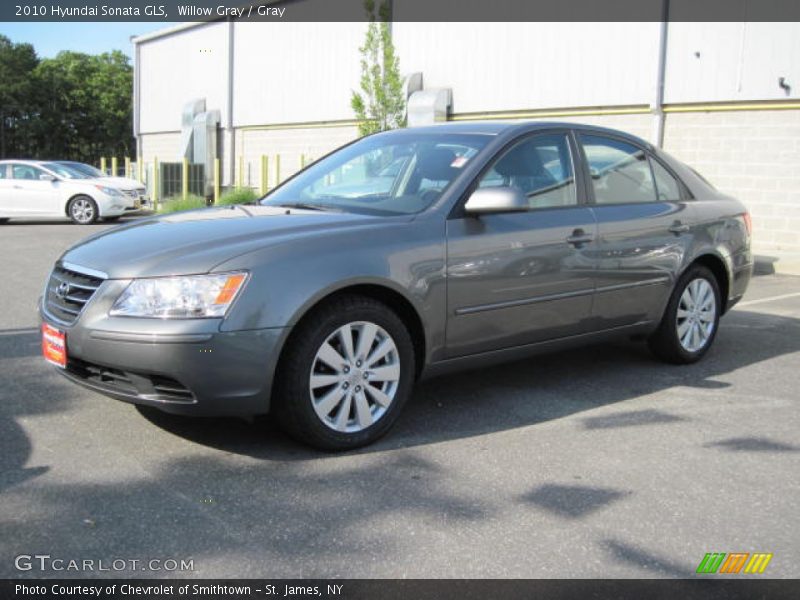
(686, 333)
(349, 406)
(82, 210)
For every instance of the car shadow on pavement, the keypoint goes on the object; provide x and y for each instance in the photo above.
(527, 392)
(27, 389)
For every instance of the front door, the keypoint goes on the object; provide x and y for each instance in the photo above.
(31, 195)
(523, 277)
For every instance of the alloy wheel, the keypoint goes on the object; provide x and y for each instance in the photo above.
(354, 376)
(82, 210)
(696, 315)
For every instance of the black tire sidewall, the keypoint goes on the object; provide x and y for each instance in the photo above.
(293, 404)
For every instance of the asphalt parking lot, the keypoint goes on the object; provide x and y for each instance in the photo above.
(599, 462)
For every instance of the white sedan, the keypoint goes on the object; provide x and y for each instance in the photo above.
(36, 189)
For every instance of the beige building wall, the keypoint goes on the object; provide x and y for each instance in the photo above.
(754, 156)
(164, 146)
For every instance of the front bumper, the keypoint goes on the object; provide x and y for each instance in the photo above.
(182, 367)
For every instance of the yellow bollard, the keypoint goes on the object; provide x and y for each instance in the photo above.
(185, 179)
(216, 181)
(155, 183)
(277, 170)
(302, 161)
(127, 167)
(264, 174)
(114, 166)
(103, 165)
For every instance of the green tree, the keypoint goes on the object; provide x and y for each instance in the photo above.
(17, 63)
(85, 105)
(380, 105)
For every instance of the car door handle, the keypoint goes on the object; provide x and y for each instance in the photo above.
(678, 228)
(579, 237)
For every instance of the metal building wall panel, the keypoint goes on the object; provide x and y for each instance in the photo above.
(180, 67)
(517, 66)
(295, 72)
(723, 62)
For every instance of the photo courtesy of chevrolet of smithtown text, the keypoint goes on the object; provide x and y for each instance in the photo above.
(399, 299)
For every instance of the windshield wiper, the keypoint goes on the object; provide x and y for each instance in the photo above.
(306, 206)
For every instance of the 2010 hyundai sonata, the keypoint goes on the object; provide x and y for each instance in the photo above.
(326, 301)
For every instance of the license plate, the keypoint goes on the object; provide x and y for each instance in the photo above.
(54, 345)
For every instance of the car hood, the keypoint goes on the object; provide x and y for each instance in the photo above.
(123, 183)
(196, 241)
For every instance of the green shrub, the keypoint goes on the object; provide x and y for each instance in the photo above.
(178, 203)
(239, 196)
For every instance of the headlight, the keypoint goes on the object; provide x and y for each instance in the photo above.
(189, 297)
(109, 191)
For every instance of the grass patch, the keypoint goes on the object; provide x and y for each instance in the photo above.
(240, 196)
(178, 203)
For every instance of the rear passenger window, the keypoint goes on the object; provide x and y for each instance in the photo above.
(620, 172)
(666, 185)
(541, 167)
(2, 171)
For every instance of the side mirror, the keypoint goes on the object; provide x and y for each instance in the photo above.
(496, 200)
(46, 177)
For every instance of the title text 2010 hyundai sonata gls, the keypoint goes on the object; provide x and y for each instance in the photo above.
(327, 300)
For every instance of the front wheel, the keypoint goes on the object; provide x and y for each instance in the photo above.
(347, 372)
(82, 210)
(691, 319)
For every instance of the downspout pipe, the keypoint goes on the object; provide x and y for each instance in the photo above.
(657, 105)
(229, 132)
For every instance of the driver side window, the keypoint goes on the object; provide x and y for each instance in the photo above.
(541, 167)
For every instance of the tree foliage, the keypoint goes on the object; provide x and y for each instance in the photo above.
(74, 106)
(380, 105)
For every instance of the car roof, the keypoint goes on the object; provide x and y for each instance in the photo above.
(497, 127)
(25, 161)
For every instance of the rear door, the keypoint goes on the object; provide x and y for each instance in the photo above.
(523, 277)
(643, 221)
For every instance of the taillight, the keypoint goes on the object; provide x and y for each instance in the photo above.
(748, 224)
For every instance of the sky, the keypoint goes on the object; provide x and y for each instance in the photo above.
(92, 38)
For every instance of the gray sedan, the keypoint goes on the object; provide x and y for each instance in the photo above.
(325, 308)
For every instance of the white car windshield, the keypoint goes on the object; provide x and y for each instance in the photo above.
(64, 171)
(399, 173)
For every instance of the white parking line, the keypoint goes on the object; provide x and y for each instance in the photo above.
(770, 299)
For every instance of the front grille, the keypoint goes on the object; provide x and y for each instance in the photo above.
(142, 385)
(135, 194)
(68, 291)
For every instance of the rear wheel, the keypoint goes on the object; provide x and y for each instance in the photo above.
(690, 322)
(346, 374)
(82, 210)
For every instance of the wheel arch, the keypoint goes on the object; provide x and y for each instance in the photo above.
(78, 195)
(395, 300)
(719, 267)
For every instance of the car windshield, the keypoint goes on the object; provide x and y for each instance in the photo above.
(394, 174)
(65, 171)
(87, 170)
